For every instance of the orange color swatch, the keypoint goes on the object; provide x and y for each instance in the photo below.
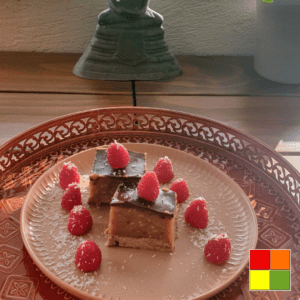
(280, 259)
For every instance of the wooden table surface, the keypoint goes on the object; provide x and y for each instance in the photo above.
(36, 87)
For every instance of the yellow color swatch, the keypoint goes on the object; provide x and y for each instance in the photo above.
(259, 280)
(280, 259)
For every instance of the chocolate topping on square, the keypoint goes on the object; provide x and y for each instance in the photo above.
(135, 168)
(105, 180)
(127, 196)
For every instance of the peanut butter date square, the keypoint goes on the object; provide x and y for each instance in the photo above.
(105, 180)
(137, 223)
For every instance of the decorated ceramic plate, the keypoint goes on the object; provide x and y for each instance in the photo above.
(133, 274)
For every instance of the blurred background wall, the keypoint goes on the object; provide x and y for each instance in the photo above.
(193, 27)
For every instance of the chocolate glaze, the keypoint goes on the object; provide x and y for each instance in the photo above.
(106, 186)
(135, 168)
(127, 196)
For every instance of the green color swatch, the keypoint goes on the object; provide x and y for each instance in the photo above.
(280, 280)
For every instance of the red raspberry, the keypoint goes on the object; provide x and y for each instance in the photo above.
(117, 156)
(164, 170)
(68, 174)
(218, 248)
(148, 187)
(80, 220)
(88, 256)
(196, 213)
(179, 186)
(71, 197)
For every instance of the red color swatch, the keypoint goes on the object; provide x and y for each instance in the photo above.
(259, 259)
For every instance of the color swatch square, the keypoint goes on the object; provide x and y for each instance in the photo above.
(280, 280)
(280, 259)
(270, 270)
(259, 259)
(259, 280)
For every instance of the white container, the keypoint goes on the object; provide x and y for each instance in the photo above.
(277, 55)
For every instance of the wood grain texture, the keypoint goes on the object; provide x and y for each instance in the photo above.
(208, 75)
(36, 87)
(21, 111)
(269, 119)
(218, 75)
(50, 73)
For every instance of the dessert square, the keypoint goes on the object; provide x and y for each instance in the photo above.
(137, 223)
(105, 180)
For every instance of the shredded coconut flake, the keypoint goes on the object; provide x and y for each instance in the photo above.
(59, 250)
(77, 209)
